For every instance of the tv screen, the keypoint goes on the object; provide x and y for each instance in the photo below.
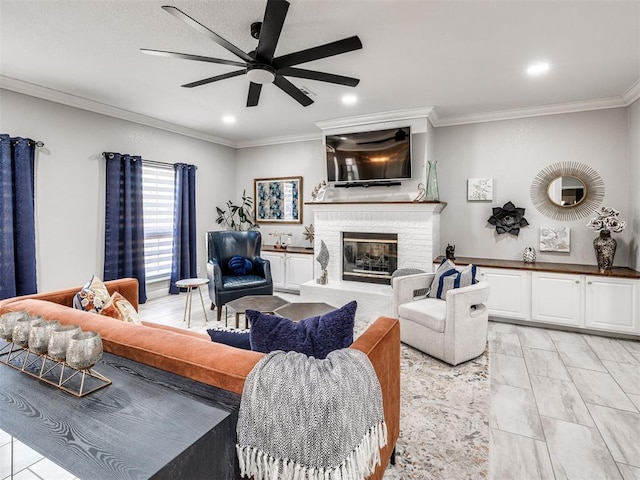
(369, 156)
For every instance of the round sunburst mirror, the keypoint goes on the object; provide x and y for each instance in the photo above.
(567, 191)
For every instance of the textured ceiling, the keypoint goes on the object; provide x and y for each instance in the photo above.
(463, 58)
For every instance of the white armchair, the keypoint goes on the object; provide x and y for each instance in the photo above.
(454, 330)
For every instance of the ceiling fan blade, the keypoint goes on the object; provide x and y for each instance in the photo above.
(322, 51)
(215, 79)
(271, 28)
(187, 56)
(289, 88)
(254, 94)
(180, 15)
(320, 76)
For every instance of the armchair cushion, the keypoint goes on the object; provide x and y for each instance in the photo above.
(238, 265)
(428, 312)
(448, 277)
(232, 282)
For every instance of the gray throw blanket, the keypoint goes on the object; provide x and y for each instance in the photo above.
(307, 419)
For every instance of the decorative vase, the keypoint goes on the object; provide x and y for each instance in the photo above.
(605, 247)
(432, 193)
(529, 255)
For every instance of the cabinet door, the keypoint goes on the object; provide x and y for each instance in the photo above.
(277, 268)
(299, 270)
(613, 304)
(557, 298)
(510, 294)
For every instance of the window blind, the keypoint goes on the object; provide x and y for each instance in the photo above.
(158, 200)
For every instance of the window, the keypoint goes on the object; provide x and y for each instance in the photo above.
(157, 199)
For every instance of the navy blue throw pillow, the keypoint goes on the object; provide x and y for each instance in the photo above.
(313, 336)
(233, 338)
(240, 265)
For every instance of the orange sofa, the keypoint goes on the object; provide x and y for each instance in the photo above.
(195, 356)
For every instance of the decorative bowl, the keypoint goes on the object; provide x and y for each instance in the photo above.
(84, 350)
(8, 322)
(22, 328)
(39, 336)
(59, 341)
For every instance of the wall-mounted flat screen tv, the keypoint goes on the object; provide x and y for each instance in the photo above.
(369, 156)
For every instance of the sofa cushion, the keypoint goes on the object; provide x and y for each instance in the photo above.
(120, 308)
(93, 297)
(238, 265)
(230, 336)
(230, 282)
(428, 312)
(313, 336)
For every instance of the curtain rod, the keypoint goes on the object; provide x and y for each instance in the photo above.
(152, 162)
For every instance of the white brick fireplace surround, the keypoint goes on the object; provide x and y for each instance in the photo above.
(417, 225)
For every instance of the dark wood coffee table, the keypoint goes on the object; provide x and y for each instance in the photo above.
(300, 310)
(148, 424)
(261, 303)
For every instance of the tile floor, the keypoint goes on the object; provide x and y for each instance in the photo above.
(563, 405)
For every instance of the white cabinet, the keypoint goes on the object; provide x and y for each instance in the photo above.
(596, 302)
(277, 268)
(612, 304)
(557, 298)
(509, 296)
(299, 270)
(289, 270)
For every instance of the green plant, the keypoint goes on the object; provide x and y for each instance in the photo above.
(237, 217)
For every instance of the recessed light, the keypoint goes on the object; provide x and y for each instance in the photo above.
(349, 99)
(538, 68)
(229, 119)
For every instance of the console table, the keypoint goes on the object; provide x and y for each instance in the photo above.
(576, 296)
(147, 424)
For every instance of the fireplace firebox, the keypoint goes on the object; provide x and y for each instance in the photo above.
(369, 257)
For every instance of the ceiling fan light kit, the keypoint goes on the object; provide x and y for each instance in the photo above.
(260, 65)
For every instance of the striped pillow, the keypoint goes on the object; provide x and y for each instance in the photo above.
(448, 277)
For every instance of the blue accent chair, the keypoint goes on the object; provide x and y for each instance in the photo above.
(224, 286)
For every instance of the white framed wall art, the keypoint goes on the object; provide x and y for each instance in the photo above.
(479, 189)
(555, 239)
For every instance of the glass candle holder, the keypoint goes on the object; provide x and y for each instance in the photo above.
(59, 341)
(22, 328)
(39, 336)
(8, 322)
(84, 350)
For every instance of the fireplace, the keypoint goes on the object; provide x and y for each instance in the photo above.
(369, 257)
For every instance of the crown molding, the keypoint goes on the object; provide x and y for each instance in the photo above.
(45, 93)
(278, 140)
(632, 93)
(554, 109)
(394, 115)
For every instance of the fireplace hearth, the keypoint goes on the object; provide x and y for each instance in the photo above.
(369, 257)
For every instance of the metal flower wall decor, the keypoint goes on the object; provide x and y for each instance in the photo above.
(508, 219)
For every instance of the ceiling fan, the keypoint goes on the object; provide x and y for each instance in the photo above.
(260, 65)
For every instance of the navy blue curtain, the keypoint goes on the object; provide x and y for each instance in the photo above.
(184, 258)
(124, 221)
(17, 221)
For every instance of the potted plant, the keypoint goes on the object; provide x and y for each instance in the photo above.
(237, 217)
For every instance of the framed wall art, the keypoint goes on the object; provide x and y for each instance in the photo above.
(479, 189)
(555, 239)
(278, 200)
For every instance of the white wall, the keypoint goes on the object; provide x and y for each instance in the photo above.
(71, 174)
(305, 159)
(513, 152)
(633, 226)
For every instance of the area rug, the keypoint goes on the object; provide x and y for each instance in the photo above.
(444, 419)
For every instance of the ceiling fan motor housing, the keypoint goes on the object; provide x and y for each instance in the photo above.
(261, 73)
